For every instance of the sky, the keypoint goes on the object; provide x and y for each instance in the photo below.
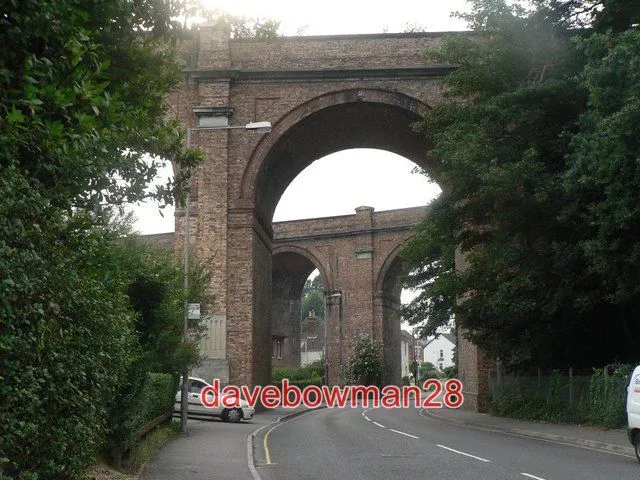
(385, 179)
(334, 17)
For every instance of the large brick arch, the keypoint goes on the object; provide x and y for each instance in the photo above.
(334, 121)
(291, 266)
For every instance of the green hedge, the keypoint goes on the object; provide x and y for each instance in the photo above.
(154, 397)
(313, 370)
(318, 381)
(157, 399)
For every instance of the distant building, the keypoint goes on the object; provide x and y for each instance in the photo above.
(311, 341)
(419, 351)
(406, 352)
(439, 351)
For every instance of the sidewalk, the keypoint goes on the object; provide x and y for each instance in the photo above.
(211, 449)
(612, 441)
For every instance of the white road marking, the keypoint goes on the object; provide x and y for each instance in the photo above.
(402, 433)
(532, 476)
(465, 454)
(381, 426)
(368, 419)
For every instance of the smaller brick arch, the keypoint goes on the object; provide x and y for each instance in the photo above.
(391, 262)
(326, 279)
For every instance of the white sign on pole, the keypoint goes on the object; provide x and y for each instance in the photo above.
(193, 311)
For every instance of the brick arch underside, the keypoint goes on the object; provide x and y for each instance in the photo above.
(290, 269)
(357, 118)
(387, 291)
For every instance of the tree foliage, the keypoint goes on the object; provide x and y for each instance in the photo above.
(238, 26)
(81, 104)
(312, 299)
(532, 243)
(154, 287)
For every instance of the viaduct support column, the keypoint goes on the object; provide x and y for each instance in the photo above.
(248, 299)
(388, 319)
(333, 317)
(473, 364)
(473, 372)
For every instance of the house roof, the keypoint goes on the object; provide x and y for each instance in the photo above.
(449, 336)
(404, 335)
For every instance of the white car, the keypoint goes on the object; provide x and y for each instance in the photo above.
(195, 386)
(633, 410)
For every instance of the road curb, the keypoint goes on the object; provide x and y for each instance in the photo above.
(579, 442)
(250, 461)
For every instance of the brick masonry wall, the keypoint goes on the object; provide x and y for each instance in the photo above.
(355, 251)
(334, 52)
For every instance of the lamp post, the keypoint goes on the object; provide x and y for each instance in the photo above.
(336, 294)
(260, 127)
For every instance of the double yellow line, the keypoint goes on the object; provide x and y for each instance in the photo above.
(265, 443)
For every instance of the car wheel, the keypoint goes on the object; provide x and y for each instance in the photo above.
(233, 415)
(637, 445)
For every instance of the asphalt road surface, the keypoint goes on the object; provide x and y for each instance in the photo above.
(354, 443)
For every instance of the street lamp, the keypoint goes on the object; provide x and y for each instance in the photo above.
(260, 127)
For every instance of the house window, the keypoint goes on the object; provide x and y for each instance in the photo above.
(279, 349)
(440, 366)
(441, 354)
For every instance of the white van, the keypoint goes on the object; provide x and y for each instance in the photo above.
(633, 410)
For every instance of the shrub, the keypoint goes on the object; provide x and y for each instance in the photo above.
(365, 363)
(317, 381)
(603, 404)
(607, 397)
(450, 372)
(312, 370)
(65, 341)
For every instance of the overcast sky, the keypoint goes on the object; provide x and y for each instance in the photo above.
(384, 180)
(330, 17)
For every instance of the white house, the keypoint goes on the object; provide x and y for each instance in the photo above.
(406, 352)
(439, 351)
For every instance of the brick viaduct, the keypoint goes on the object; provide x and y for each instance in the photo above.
(322, 95)
(357, 257)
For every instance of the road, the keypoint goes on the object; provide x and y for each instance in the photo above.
(354, 443)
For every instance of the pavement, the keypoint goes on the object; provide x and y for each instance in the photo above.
(212, 449)
(216, 450)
